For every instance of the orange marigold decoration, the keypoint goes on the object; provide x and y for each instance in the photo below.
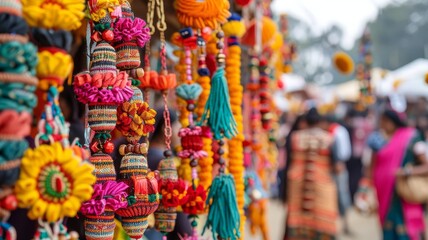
(234, 30)
(199, 14)
(343, 63)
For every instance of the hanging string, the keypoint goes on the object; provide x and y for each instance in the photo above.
(166, 116)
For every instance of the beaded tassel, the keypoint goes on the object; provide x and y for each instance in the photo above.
(205, 163)
(191, 136)
(219, 116)
(223, 215)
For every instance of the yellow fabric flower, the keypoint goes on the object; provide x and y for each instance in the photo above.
(99, 11)
(343, 63)
(54, 14)
(53, 182)
(53, 68)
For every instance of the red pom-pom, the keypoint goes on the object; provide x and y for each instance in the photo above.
(174, 193)
(108, 35)
(108, 147)
(196, 200)
(9, 203)
(243, 2)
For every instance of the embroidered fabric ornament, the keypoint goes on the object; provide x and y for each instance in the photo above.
(174, 194)
(12, 24)
(104, 84)
(56, 14)
(191, 143)
(145, 197)
(13, 7)
(53, 182)
(108, 195)
(127, 29)
(14, 125)
(18, 58)
(135, 119)
(11, 153)
(17, 96)
(129, 34)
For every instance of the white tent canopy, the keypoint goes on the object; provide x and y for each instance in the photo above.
(411, 77)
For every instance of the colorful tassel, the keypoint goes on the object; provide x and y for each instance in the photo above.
(223, 217)
(218, 112)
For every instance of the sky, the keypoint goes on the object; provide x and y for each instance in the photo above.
(350, 15)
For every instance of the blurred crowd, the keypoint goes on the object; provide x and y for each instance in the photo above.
(331, 162)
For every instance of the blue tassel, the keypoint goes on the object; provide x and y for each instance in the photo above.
(223, 215)
(189, 91)
(217, 110)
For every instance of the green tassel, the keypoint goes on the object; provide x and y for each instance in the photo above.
(223, 215)
(217, 109)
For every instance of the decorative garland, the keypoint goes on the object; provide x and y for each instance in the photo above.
(103, 79)
(135, 119)
(234, 29)
(197, 14)
(223, 215)
(363, 70)
(191, 136)
(53, 181)
(17, 100)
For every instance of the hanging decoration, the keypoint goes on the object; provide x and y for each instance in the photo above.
(53, 181)
(223, 215)
(173, 189)
(261, 36)
(343, 63)
(205, 163)
(200, 14)
(363, 70)
(191, 136)
(103, 88)
(134, 119)
(53, 186)
(234, 29)
(18, 60)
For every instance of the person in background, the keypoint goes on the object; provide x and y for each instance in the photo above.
(311, 191)
(299, 124)
(343, 154)
(393, 148)
(361, 125)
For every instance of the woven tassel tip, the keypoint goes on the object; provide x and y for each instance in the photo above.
(218, 112)
(223, 216)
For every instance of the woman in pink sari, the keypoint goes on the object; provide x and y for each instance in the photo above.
(394, 148)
